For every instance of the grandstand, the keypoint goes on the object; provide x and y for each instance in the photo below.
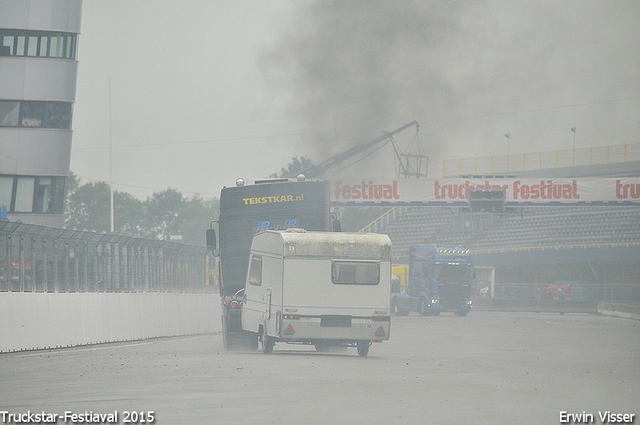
(536, 245)
(524, 228)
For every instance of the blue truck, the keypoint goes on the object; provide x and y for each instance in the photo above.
(439, 279)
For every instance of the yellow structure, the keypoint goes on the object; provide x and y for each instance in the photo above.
(403, 273)
(541, 160)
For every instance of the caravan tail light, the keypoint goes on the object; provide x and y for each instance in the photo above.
(291, 316)
(381, 318)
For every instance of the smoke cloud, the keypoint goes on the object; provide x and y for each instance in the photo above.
(468, 72)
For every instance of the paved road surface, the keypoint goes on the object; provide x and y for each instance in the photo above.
(486, 368)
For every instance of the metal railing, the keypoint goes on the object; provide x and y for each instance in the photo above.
(43, 259)
(541, 160)
(386, 218)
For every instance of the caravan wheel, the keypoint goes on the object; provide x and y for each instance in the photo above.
(363, 348)
(267, 343)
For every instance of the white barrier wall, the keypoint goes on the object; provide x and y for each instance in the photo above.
(40, 320)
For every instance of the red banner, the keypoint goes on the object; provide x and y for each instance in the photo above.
(455, 191)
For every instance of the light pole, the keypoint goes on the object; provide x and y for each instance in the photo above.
(573, 129)
(111, 206)
(508, 136)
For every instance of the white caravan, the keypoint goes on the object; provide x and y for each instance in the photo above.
(320, 288)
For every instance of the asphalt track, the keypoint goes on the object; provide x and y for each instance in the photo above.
(486, 368)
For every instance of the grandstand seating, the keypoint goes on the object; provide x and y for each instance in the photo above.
(521, 229)
(527, 227)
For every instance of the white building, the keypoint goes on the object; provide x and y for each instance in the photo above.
(38, 70)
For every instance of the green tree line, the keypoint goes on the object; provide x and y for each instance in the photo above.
(160, 216)
(169, 212)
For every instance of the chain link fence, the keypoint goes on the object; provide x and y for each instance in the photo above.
(43, 259)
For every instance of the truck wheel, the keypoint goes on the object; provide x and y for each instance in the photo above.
(423, 306)
(226, 340)
(396, 311)
(394, 308)
(267, 343)
(363, 348)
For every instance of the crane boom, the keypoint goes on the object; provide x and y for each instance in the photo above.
(318, 170)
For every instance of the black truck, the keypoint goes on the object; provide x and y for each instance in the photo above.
(248, 209)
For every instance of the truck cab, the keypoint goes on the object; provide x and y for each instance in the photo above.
(439, 280)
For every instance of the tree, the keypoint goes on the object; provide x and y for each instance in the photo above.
(295, 167)
(88, 207)
(197, 214)
(164, 213)
(72, 184)
(160, 216)
(129, 215)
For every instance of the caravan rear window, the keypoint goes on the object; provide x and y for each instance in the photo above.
(255, 271)
(355, 272)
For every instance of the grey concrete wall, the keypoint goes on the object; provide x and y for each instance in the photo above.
(40, 320)
(499, 304)
(626, 311)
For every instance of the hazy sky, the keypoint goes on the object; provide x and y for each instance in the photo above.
(204, 92)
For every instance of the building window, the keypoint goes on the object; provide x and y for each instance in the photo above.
(24, 195)
(9, 113)
(30, 194)
(6, 190)
(43, 44)
(35, 114)
(33, 46)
